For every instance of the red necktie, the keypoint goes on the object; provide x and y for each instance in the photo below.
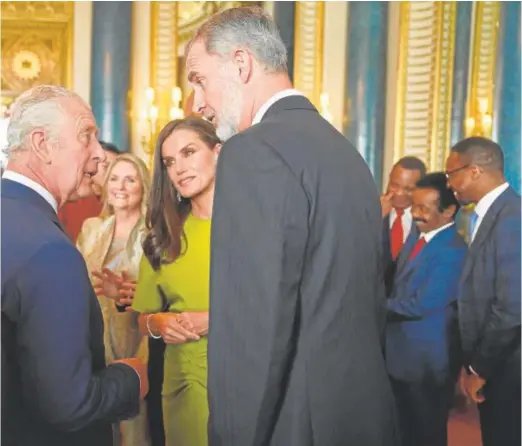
(397, 234)
(417, 248)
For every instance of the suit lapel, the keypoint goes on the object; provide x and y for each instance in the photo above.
(428, 250)
(408, 248)
(484, 229)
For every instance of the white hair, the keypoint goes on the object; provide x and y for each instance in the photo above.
(248, 27)
(36, 108)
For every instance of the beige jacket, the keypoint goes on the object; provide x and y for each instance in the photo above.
(121, 335)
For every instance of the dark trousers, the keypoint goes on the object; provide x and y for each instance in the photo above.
(154, 407)
(500, 413)
(423, 409)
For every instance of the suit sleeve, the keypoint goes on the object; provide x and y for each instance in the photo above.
(54, 337)
(503, 325)
(436, 293)
(259, 237)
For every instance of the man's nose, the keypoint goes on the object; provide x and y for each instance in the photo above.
(98, 153)
(198, 105)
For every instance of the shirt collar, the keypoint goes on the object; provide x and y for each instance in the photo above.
(279, 95)
(429, 235)
(38, 188)
(487, 200)
(407, 211)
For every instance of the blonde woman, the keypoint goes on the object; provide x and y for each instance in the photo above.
(113, 241)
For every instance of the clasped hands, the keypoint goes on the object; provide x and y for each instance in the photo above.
(174, 328)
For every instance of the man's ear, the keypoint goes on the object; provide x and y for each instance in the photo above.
(217, 149)
(39, 145)
(449, 212)
(244, 63)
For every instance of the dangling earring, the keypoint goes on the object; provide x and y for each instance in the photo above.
(178, 196)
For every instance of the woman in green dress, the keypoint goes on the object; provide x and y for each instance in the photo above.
(172, 292)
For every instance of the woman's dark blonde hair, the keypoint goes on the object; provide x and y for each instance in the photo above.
(167, 212)
(144, 179)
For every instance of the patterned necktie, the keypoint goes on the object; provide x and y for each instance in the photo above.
(417, 248)
(472, 223)
(397, 234)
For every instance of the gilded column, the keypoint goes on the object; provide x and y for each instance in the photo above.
(460, 70)
(364, 122)
(284, 16)
(424, 87)
(308, 56)
(110, 71)
(164, 56)
(480, 96)
(506, 107)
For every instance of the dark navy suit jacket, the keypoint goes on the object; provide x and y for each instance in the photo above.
(489, 302)
(56, 388)
(422, 333)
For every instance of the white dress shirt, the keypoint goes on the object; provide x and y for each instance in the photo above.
(407, 221)
(429, 235)
(484, 204)
(279, 95)
(38, 188)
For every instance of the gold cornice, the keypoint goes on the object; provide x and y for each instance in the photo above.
(308, 58)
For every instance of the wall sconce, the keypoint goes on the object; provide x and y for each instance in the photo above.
(481, 123)
(325, 105)
(152, 118)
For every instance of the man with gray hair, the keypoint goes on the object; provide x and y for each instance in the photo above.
(56, 387)
(296, 293)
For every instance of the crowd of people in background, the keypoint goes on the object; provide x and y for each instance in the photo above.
(251, 289)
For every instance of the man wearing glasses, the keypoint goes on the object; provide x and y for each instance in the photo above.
(489, 296)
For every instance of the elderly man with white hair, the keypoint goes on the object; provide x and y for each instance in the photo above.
(296, 289)
(56, 388)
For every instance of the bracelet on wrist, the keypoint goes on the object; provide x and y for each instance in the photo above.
(152, 335)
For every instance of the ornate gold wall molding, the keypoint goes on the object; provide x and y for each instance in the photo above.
(482, 62)
(308, 60)
(164, 54)
(37, 45)
(424, 87)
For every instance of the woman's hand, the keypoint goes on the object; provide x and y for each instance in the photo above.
(196, 321)
(121, 288)
(169, 326)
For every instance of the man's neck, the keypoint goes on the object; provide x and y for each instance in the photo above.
(489, 186)
(272, 84)
(27, 171)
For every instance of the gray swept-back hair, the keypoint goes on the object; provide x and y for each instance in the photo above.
(36, 108)
(248, 27)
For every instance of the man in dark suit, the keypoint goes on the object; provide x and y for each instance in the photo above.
(56, 387)
(489, 301)
(397, 222)
(422, 342)
(296, 311)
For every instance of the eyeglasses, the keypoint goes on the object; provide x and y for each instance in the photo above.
(451, 172)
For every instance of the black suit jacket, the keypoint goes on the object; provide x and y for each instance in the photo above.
(388, 264)
(489, 299)
(296, 293)
(56, 389)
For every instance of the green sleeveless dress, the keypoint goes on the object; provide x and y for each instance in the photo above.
(185, 284)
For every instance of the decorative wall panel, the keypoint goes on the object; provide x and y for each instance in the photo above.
(36, 46)
(425, 81)
(308, 62)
